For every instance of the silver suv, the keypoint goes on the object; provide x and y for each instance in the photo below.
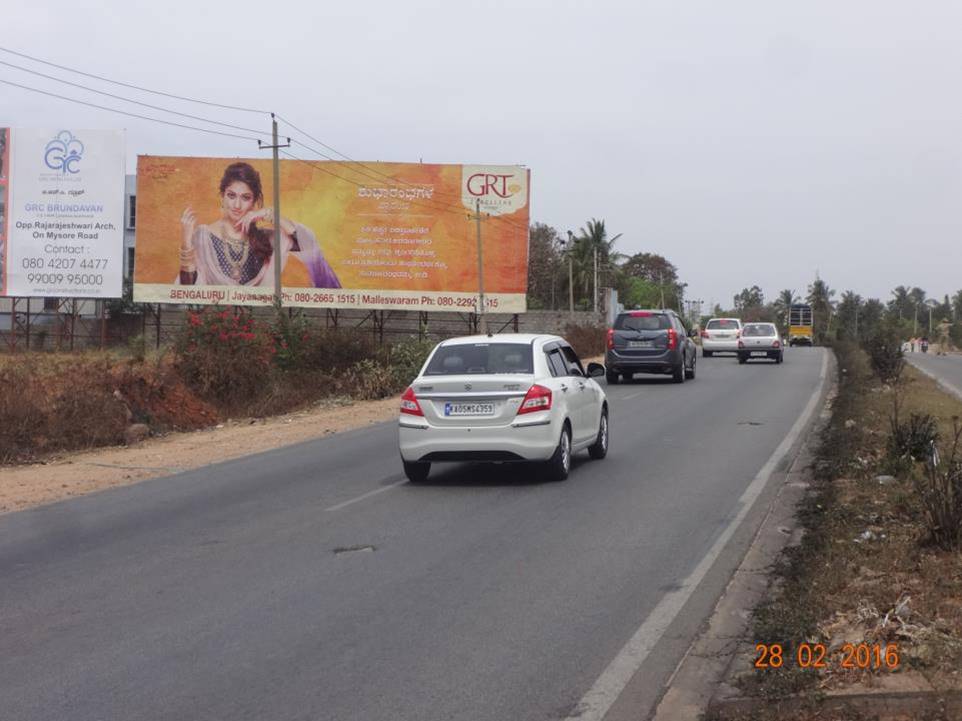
(649, 341)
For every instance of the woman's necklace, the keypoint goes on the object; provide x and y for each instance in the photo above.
(236, 251)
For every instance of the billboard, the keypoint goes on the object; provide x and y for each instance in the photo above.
(61, 213)
(372, 235)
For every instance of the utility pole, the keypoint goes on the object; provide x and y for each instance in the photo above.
(571, 276)
(275, 146)
(482, 321)
(596, 281)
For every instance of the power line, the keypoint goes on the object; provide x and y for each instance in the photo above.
(124, 112)
(135, 102)
(133, 87)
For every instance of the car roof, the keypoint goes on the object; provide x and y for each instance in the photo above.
(520, 338)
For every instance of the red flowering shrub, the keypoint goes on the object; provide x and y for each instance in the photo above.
(225, 357)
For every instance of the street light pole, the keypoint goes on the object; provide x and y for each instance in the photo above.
(571, 276)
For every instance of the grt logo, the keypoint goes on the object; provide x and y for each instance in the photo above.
(63, 153)
(483, 184)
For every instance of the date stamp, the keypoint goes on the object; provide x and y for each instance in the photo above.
(851, 656)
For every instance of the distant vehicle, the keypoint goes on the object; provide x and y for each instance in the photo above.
(801, 325)
(720, 335)
(505, 397)
(760, 340)
(649, 341)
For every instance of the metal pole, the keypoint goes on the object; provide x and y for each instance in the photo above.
(571, 276)
(483, 321)
(278, 297)
(596, 280)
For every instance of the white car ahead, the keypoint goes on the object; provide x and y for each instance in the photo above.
(506, 397)
(760, 340)
(720, 335)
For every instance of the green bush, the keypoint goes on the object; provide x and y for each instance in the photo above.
(405, 359)
(884, 350)
(226, 358)
(913, 438)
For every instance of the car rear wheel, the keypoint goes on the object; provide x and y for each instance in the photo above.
(599, 449)
(780, 357)
(705, 353)
(416, 471)
(742, 358)
(560, 463)
(678, 375)
(690, 373)
(612, 378)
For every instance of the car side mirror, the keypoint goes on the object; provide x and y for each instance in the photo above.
(595, 370)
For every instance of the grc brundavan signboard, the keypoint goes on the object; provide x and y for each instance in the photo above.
(372, 235)
(63, 208)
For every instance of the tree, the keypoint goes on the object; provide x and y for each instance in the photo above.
(592, 241)
(655, 270)
(848, 316)
(820, 298)
(870, 318)
(547, 278)
(749, 298)
(785, 300)
(957, 305)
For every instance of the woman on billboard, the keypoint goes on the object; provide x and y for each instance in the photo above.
(233, 250)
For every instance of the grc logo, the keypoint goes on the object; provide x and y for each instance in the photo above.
(499, 189)
(63, 153)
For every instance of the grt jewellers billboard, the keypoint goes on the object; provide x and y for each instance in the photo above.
(61, 212)
(373, 235)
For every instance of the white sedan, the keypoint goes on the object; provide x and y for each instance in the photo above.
(720, 336)
(760, 340)
(505, 397)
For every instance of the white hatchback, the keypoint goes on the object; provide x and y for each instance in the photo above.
(760, 340)
(506, 397)
(720, 335)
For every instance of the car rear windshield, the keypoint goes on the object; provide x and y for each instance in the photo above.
(758, 330)
(642, 321)
(472, 358)
(722, 325)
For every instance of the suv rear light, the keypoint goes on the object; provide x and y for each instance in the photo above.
(672, 339)
(639, 314)
(538, 398)
(409, 403)
(776, 344)
(611, 338)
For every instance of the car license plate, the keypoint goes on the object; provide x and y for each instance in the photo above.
(469, 409)
(641, 344)
(759, 352)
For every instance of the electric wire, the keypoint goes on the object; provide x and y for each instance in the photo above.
(136, 102)
(134, 87)
(124, 112)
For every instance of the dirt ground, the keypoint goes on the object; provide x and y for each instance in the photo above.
(75, 474)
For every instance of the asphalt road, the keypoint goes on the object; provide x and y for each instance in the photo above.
(232, 592)
(947, 369)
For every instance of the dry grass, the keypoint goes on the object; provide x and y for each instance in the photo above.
(864, 572)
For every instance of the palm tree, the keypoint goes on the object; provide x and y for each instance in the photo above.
(785, 300)
(820, 298)
(593, 239)
(901, 303)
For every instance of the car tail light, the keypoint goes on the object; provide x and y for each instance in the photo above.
(409, 403)
(611, 338)
(740, 344)
(640, 314)
(538, 398)
(704, 334)
(776, 344)
(672, 339)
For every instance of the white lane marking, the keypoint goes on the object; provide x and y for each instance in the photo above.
(951, 388)
(605, 691)
(363, 496)
(633, 395)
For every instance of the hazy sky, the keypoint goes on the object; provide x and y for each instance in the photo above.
(748, 142)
